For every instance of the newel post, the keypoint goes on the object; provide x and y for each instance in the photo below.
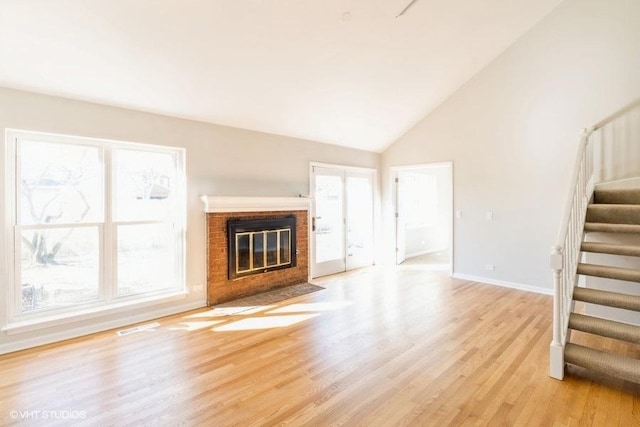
(556, 351)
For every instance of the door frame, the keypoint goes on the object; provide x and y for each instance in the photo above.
(375, 213)
(394, 202)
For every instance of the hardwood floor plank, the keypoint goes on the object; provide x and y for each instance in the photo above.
(378, 347)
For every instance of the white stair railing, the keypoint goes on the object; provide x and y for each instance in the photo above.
(565, 255)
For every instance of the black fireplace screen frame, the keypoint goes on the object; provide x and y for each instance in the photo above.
(239, 226)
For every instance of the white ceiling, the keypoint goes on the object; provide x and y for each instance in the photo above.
(292, 67)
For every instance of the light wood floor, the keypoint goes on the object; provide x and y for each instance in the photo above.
(376, 348)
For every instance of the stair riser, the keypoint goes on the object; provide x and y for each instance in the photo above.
(596, 227)
(626, 275)
(593, 296)
(612, 250)
(616, 366)
(614, 214)
(623, 197)
(604, 328)
(610, 304)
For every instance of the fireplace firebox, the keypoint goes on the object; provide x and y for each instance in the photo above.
(261, 245)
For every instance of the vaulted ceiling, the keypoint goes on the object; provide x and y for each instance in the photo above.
(347, 72)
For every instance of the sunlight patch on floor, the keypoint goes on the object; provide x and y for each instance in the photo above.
(316, 306)
(230, 311)
(265, 322)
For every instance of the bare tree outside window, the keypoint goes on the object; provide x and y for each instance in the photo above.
(60, 184)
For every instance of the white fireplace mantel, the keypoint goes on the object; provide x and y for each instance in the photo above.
(253, 204)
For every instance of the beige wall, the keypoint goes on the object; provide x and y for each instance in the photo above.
(220, 161)
(512, 133)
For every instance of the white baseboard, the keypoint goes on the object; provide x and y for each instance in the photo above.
(504, 284)
(97, 327)
(427, 252)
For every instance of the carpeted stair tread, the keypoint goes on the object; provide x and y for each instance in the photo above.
(614, 214)
(608, 248)
(627, 196)
(606, 328)
(611, 228)
(611, 364)
(609, 272)
(610, 299)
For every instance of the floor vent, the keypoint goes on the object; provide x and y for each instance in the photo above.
(138, 329)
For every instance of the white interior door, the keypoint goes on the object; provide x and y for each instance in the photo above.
(342, 220)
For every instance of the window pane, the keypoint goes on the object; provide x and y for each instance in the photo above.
(59, 267)
(272, 248)
(146, 258)
(258, 250)
(243, 256)
(145, 185)
(59, 183)
(360, 218)
(285, 247)
(329, 218)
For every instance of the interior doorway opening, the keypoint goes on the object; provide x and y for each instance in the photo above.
(424, 216)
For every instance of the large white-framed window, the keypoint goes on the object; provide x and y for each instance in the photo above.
(94, 223)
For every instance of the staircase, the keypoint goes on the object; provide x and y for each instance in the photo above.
(614, 214)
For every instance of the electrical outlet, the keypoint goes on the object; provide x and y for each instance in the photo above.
(489, 267)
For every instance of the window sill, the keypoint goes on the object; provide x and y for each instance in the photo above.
(33, 324)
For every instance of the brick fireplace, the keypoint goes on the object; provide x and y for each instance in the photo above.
(219, 211)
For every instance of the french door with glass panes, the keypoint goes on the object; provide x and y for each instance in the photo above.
(342, 219)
